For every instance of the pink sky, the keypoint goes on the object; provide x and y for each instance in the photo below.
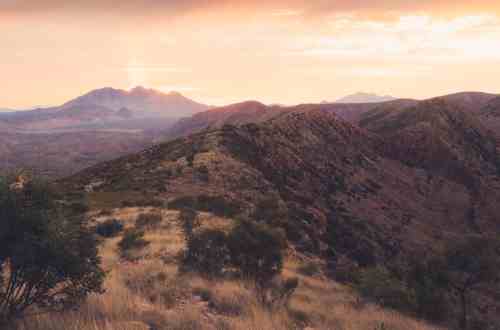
(220, 52)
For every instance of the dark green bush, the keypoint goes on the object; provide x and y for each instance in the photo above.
(385, 289)
(47, 261)
(149, 220)
(207, 252)
(109, 228)
(189, 222)
(132, 239)
(257, 251)
(217, 205)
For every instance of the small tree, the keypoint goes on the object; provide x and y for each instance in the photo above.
(207, 252)
(47, 260)
(132, 239)
(257, 251)
(189, 221)
(469, 264)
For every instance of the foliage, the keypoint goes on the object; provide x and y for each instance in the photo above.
(207, 252)
(467, 265)
(384, 288)
(257, 251)
(427, 282)
(47, 261)
(149, 220)
(109, 228)
(217, 205)
(189, 221)
(132, 239)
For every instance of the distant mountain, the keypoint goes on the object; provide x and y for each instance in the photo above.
(106, 107)
(365, 98)
(144, 102)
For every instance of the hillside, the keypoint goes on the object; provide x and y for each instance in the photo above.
(372, 197)
(318, 166)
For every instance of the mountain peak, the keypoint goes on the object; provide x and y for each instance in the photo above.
(363, 97)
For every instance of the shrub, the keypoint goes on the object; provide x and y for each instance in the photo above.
(46, 261)
(189, 221)
(149, 220)
(217, 205)
(257, 251)
(207, 252)
(380, 285)
(132, 239)
(109, 228)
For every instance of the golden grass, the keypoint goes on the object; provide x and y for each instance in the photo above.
(152, 294)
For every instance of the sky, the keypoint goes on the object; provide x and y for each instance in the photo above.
(221, 51)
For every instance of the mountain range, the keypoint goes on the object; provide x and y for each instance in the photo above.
(399, 180)
(361, 97)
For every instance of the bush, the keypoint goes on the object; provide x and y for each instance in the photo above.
(207, 252)
(257, 251)
(109, 228)
(217, 205)
(46, 261)
(149, 220)
(380, 285)
(132, 239)
(189, 221)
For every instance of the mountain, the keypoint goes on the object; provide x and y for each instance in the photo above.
(365, 98)
(144, 102)
(107, 105)
(402, 186)
(469, 101)
(255, 112)
(326, 171)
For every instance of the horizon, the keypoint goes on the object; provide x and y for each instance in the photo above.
(220, 52)
(357, 93)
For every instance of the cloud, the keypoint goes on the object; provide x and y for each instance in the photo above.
(409, 37)
(306, 7)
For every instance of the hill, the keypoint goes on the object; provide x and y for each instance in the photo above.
(365, 98)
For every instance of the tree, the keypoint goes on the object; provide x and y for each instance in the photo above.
(48, 261)
(257, 251)
(469, 264)
(207, 252)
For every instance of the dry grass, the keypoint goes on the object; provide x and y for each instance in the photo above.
(152, 294)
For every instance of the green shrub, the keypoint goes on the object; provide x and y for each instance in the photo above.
(188, 218)
(47, 261)
(385, 289)
(109, 228)
(207, 252)
(257, 251)
(217, 205)
(149, 220)
(132, 239)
